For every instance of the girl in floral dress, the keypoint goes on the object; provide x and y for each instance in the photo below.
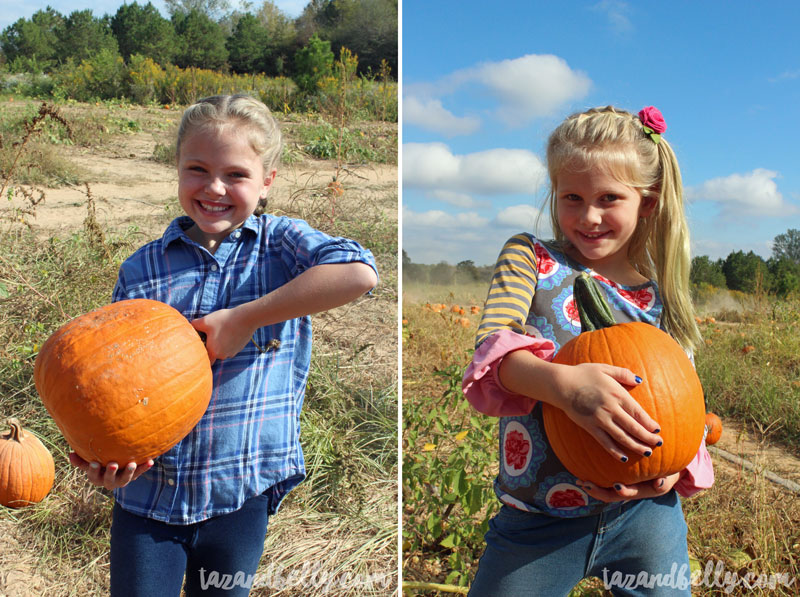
(616, 207)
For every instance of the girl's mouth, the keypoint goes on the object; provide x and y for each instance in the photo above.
(590, 236)
(213, 207)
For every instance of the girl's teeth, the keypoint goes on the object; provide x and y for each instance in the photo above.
(208, 207)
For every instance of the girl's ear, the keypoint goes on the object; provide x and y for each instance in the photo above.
(268, 180)
(648, 205)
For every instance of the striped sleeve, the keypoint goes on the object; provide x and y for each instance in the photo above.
(512, 289)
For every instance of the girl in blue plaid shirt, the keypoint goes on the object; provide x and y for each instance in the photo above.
(249, 285)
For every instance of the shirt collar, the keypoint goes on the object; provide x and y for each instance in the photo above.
(176, 231)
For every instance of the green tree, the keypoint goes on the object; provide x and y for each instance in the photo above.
(142, 30)
(201, 41)
(312, 63)
(213, 9)
(785, 275)
(466, 271)
(368, 28)
(247, 45)
(33, 41)
(705, 271)
(787, 245)
(281, 39)
(746, 272)
(84, 36)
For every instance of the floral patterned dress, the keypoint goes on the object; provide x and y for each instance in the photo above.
(530, 305)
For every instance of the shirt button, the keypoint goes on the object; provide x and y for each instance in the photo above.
(171, 482)
(214, 267)
(237, 234)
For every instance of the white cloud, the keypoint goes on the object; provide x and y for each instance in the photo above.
(525, 88)
(752, 194)
(442, 220)
(518, 217)
(434, 167)
(528, 87)
(616, 12)
(459, 199)
(429, 114)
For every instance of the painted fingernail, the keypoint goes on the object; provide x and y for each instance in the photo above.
(662, 483)
(617, 486)
(657, 430)
(131, 467)
(648, 453)
(624, 459)
(94, 465)
(637, 379)
(659, 444)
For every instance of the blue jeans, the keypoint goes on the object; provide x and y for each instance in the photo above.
(638, 548)
(149, 557)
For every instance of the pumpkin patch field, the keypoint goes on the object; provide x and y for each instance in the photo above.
(744, 532)
(86, 184)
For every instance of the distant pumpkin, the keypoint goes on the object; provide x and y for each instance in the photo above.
(714, 427)
(27, 469)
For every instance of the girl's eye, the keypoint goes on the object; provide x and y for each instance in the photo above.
(196, 169)
(610, 197)
(572, 197)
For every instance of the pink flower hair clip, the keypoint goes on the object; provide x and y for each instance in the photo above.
(652, 123)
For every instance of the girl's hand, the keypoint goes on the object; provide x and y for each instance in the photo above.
(620, 492)
(110, 477)
(226, 333)
(594, 397)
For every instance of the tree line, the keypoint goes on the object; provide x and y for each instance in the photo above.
(745, 272)
(207, 34)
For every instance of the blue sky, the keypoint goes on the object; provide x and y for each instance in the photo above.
(10, 11)
(484, 85)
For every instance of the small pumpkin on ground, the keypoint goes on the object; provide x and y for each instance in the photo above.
(27, 470)
(125, 382)
(671, 394)
(714, 426)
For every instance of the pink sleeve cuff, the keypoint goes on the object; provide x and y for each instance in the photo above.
(481, 383)
(698, 474)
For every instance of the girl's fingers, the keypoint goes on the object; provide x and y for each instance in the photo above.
(610, 446)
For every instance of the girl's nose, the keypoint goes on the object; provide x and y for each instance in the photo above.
(216, 187)
(591, 215)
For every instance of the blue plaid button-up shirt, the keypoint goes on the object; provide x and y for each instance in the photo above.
(248, 440)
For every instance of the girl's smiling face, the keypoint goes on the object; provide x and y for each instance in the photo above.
(220, 181)
(598, 215)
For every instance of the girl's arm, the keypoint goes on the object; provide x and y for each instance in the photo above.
(317, 289)
(593, 395)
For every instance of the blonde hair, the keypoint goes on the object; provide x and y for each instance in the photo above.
(659, 247)
(242, 110)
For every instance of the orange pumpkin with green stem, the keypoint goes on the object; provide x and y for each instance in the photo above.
(27, 469)
(671, 394)
(126, 382)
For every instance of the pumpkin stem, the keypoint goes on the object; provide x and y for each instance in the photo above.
(592, 305)
(16, 433)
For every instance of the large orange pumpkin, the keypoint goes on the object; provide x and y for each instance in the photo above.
(126, 382)
(27, 470)
(671, 394)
